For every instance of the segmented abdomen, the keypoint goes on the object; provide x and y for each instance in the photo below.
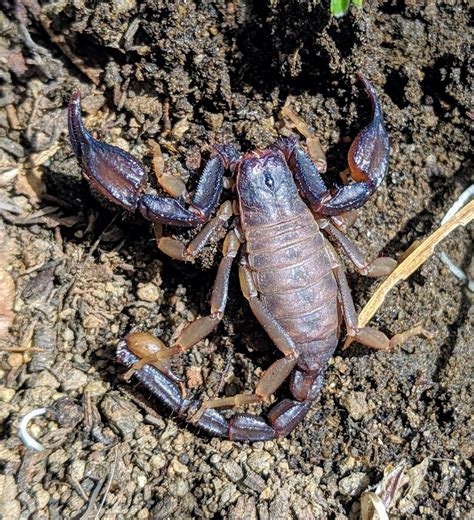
(291, 269)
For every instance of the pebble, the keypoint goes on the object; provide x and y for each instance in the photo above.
(165, 508)
(68, 334)
(178, 487)
(233, 471)
(57, 460)
(353, 484)
(120, 413)
(41, 496)
(10, 508)
(260, 461)
(254, 482)
(43, 378)
(158, 461)
(15, 360)
(96, 388)
(6, 394)
(177, 468)
(141, 481)
(77, 469)
(74, 379)
(356, 404)
(148, 293)
(228, 494)
(244, 508)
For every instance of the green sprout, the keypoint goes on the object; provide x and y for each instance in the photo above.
(340, 7)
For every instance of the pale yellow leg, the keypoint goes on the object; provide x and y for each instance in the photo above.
(270, 381)
(177, 250)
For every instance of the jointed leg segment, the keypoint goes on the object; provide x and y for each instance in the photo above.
(368, 336)
(381, 266)
(201, 327)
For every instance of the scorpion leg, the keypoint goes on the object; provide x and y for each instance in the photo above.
(381, 266)
(120, 177)
(201, 327)
(368, 163)
(169, 393)
(179, 251)
(368, 336)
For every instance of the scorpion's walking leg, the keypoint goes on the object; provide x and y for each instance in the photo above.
(278, 371)
(179, 251)
(381, 266)
(368, 336)
(201, 327)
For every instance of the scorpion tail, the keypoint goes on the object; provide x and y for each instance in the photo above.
(281, 420)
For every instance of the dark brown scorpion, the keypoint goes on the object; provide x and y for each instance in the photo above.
(289, 272)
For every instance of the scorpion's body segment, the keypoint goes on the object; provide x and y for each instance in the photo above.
(288, 271)
(293, 275)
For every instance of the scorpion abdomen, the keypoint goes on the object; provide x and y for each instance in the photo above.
(292, 272)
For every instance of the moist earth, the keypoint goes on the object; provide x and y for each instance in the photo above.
(77, 274)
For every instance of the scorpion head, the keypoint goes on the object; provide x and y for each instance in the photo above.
(265, 186)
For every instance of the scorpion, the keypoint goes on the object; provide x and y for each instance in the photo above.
(289, 272)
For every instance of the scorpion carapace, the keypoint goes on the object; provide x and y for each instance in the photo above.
(289, 272)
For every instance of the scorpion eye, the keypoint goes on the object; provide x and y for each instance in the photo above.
(269, 180)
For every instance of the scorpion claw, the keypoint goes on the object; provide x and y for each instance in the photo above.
(114, 173)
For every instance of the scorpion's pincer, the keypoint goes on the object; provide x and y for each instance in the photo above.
(114, 173)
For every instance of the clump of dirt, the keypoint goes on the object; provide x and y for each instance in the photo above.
(78, 275)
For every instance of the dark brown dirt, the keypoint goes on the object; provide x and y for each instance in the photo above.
(77, 277)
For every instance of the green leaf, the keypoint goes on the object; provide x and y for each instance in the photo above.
(358, 3)
(340, 7)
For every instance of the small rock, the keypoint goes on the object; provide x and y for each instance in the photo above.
(10, 508)
(228, 495)
(74, 380)
(41, 496)
(353, 484)
(244, 508)
(356, 404)
(280, 505)
(254, 482)
(165, 508)
(148, 293)
(233, 471)
(214, 120)
(6, 394)
(68, 334)
(158, 461)
(260, 461)
(76, 469)
(43, 378)
(120, 413)
(178, 487)
(141, 481)
(66, 412)
(96, 388)
(176, 468)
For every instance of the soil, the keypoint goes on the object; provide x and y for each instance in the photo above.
(77, 274)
